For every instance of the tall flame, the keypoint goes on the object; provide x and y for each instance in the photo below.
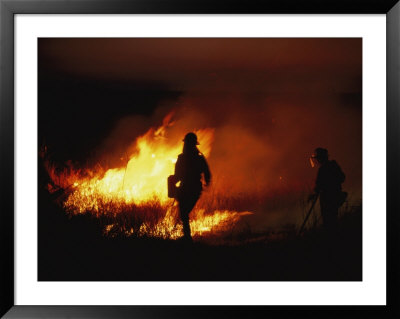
(140, 186)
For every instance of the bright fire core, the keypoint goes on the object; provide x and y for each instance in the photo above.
(132, 200)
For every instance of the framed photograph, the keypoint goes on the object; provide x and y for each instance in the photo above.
(238, 160)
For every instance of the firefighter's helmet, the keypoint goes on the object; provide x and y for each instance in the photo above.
(320, 155)
(191, 138)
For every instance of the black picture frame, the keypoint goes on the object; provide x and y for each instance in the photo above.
(8, 10)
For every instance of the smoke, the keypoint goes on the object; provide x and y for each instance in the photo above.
(270, 103)
(261, 145)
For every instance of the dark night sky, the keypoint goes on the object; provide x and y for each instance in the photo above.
(267, 65)
(292, 94)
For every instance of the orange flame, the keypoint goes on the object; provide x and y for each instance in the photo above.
(141, 186)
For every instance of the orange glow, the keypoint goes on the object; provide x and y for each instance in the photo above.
(141, 185)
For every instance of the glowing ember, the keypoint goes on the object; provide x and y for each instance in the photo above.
(136, 195)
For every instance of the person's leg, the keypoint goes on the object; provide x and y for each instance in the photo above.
(184, 215)
(324, 213)
(329, 211)
(185, 207)
(330, 220)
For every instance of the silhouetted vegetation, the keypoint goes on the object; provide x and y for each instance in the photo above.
(75, 249)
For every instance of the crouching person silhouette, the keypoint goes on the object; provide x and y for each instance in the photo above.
(189, 168)
(328, 186)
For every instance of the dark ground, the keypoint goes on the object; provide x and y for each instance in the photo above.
(74, 250)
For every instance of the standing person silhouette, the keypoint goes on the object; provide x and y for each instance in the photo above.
(189, 168)
(328, 186)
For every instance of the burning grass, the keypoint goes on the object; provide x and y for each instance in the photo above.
(154, 219)
(153, 216)
(132, 200)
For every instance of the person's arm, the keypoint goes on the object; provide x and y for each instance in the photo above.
(317, 188)
(341, 175)
(178, 169)
(206, 172)
(318, 182)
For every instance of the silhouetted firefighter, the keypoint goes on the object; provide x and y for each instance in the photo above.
(190, 166)
(328, 186)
